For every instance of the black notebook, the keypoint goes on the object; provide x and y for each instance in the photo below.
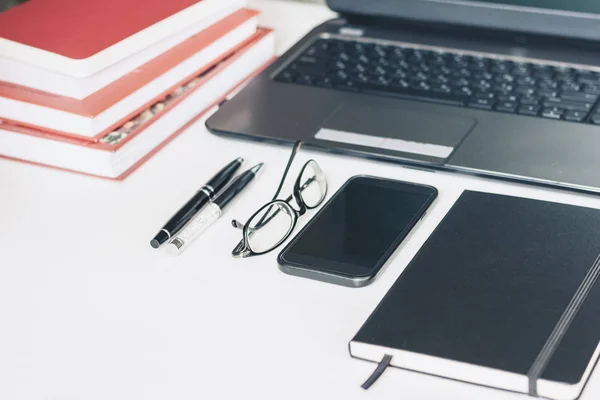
(502, 294)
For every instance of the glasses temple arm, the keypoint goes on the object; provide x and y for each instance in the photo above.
(287, 168)
(282, 181)
(236, 224)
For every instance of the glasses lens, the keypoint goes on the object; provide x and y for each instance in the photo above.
(313, 185)
(270, 226)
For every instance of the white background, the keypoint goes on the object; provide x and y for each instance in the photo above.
(88, 310)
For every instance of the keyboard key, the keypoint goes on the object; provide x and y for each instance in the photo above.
(485, 76)
(542, 72)
(527, 81)
(461, 82)
(344, 57)
(463, 91)
(423, 86)
(529, 100)
(460, 73)
(313, 50)
(447, 71)
(525, 91)
(338, 75)
(591, 89)
(505, 78)
(553, 112)
(379, 70)
(420, 76)
(482, 85)
(588, 77)
(548, 93)
(548, 85)
(575, 116)
(402, 83)
(512, 98)
(568, 105)
(484, 95)
(383, 80)
(398, 73)
(322, 45)
(567, 87)
(579, 96)
(479, 63)
(440, 79)
(485, 104)
(521, 70)
(443, 88)
(506, 106)
(308, 60)
(365, 59)
(529, 110)
(499, 69)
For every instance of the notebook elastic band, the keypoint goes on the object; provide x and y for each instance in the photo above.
(545, 355)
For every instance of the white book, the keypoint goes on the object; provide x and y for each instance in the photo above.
(118, 153)
(74, 41)
(106, 109)
(57, 82)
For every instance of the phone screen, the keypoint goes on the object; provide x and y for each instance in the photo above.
(360, 227)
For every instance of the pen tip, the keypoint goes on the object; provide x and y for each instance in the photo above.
(239, 159)
(256, 168)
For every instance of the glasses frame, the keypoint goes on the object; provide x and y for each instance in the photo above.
(244, 249)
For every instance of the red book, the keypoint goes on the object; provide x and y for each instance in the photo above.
(120, 152)
(79, 38)
(90, 118)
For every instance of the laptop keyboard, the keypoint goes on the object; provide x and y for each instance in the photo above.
(497, 85)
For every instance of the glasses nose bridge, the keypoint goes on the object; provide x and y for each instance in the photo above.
(300, 210)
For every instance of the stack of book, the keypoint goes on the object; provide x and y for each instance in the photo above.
(102, 85)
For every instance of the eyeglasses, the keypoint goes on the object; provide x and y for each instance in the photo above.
(274, 222)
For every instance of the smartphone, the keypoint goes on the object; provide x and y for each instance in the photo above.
(351, 238)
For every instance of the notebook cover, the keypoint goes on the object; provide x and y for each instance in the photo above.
(129, 83)
(490, 284)
(80, 29)
(261, 34)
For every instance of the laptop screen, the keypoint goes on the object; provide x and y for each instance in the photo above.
(562, 18)
(578, 6)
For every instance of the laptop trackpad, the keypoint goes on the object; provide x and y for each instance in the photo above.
(415, 132)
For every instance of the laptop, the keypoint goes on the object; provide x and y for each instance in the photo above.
(497, 88)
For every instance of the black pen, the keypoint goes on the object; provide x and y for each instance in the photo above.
(211, 213)
(202, 197)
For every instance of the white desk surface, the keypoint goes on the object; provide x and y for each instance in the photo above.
(88, 310)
